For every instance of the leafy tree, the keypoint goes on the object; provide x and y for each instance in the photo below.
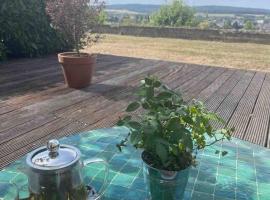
(236, 25)
(227, 24)
(249, 25)
(102, 17)
(127, 21)
(204, 25)
(175, 14)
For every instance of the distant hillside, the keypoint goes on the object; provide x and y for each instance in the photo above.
(142, 8)
(139, 8)
(232, 10)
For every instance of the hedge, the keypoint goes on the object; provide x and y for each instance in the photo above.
(25, 30)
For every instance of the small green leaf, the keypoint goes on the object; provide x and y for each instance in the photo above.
(157, 84)
(133, 106)
(135, 125)
(135, 138)
(164, 95)
(148, 81)
(149, 92)
(120, 123)
(145, 105)
(162, 152)
(224, 153)
(127, 118)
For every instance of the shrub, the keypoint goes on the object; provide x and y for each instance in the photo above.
(74, 20)
(25, 29)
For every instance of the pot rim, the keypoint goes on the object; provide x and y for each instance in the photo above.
(69, 53)
(148, 165)
(42, 169)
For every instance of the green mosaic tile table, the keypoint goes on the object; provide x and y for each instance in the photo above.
(242, 174)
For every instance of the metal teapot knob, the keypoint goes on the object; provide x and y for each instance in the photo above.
(53, 147)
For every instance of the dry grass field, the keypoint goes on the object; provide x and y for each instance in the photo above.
(234, 55)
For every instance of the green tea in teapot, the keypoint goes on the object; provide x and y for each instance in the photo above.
(79, 193)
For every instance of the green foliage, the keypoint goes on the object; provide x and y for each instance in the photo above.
(175, 14)
(25, 29)
(74, 19)
(249, 25)
(227, 24)
(204, 25)
(169, 129)
(102, 18)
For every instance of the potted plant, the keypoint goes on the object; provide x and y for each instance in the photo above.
(170, 132)
(74, 20)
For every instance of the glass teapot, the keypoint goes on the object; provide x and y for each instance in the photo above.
(55, 173)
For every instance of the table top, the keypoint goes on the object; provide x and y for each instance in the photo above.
(244, 173)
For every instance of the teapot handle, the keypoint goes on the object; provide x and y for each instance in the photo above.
(99, 160)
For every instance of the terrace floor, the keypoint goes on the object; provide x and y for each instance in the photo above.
(35, 105)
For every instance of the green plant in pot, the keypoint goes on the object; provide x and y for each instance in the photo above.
(170, 132)
(74, 19)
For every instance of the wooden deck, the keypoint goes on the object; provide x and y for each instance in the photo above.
(35, 105)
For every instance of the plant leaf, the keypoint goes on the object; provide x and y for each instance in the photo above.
(164, 95)
(135, 125)
(133, 106)
(162, 152)
(148, 81)
(135, 137)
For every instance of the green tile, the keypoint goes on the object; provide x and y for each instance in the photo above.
(135, 195)
(111, 175)
(264, 189)
(138, 184)
(201, 196)
(225, 186)
(207, 177)
(225, 193)
(130, 170)
(116, 192)
(222, 198)
(205, 187)
(246, 190)
(123, 180)
(226, 171)
(20, 180)
(262, 177)
(6, 176)
(246, 175)
(225, 162)
(106, 155)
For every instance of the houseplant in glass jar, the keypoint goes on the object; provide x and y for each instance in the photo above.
(170, 132)
(74, 20)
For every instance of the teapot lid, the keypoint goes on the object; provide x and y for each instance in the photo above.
(55, 156)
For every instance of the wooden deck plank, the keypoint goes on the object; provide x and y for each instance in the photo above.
(258, 127)
(243, 112)
(205, 94)
(228, 106)
(216, 99)
(198, 86)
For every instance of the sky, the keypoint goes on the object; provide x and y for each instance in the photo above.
(239, 3)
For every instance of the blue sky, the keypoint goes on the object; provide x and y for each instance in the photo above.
(240, 3)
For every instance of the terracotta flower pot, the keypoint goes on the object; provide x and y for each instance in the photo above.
(78, 71)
